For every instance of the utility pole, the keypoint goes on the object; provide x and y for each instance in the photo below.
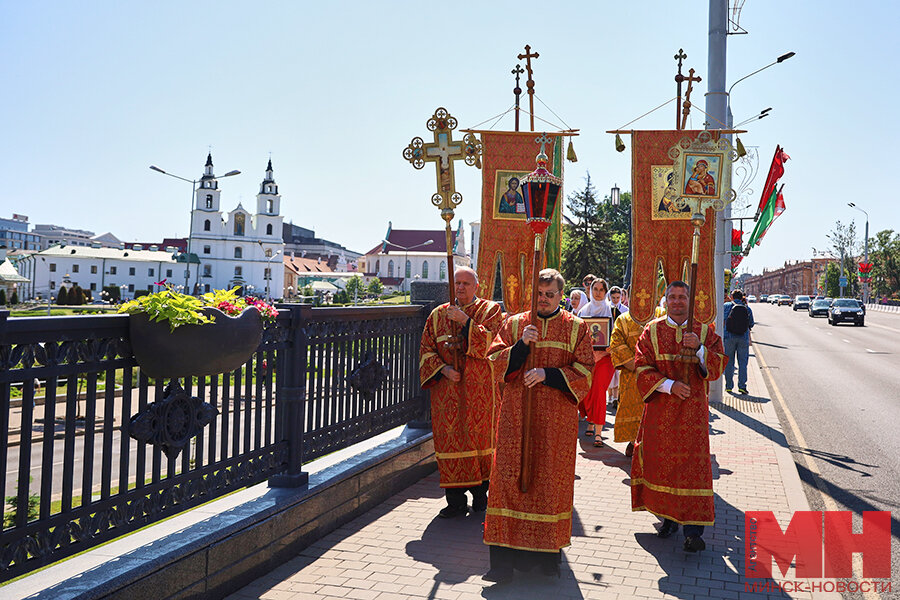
(716, 103)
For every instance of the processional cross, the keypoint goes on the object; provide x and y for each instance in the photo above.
(530, 83)
(517, 91)
(678, 79)
(687, 96)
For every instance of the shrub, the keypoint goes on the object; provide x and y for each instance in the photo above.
(62, 297)
(2, 297)
(14, 299)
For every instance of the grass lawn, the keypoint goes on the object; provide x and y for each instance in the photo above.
(59, 311)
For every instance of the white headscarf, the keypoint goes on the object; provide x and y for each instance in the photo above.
(596, 308)
(581, 297)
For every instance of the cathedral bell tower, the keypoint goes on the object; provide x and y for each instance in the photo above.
(268, 201)
(208, 192)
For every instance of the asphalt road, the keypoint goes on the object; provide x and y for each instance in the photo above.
(842, 386)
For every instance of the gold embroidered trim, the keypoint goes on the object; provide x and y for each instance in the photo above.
(672, 490)
(552, 344)
(442, 338)
(524, 516)
(582, 369)
(464, 454)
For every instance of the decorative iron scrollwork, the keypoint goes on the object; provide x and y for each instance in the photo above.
(170, 423)
(368, 377)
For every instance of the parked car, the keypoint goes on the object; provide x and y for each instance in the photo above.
(801, 302)
(764, 298)
(784, 300)
(819, 308)
(846, 309)
(751, 298)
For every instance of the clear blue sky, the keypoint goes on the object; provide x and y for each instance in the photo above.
(95, 92)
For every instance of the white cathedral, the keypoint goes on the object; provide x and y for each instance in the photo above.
(238, 248)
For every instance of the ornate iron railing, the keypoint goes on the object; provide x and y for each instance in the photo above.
(96, 449)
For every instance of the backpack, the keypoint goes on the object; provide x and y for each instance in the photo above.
(738, 321)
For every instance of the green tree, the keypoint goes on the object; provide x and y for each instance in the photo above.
(596, 240)
(376, 287)
(884, 252)
(355, 287)
(62, 297)
(14, 299)
(76, 296)
(113, 292)
(2, 297)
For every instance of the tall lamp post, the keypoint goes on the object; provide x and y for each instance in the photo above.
(269, 277)
(187, 254)
(406, 261)
(866, 259)
(614, 200)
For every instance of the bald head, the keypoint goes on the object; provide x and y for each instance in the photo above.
(466, 281)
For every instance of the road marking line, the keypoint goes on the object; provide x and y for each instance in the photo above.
(870, 324)
(846, 340)
(872, 351)
(820, 485)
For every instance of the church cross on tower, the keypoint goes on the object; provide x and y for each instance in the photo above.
(530, 83)
(517, 91)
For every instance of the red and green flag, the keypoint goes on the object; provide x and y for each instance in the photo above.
(736, 243)
(771, 211)
(775, 173)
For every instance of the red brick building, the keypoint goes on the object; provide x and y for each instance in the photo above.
(793, 278)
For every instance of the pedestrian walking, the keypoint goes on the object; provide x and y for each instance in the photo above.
(738, 319)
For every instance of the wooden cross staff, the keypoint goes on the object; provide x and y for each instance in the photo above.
(678, 79)
(530, 83)
(687, 96)
(517, 91)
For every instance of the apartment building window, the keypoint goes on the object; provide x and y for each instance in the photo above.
(93, 269)
(206, 249)
(168, 272)
(131, 272)
(112, 270)
(130, 287)
(75, 268)
(93, 287)
(53, 267)
(150, 272)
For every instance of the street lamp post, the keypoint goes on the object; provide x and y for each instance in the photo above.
(614, 200)
(866, 259)
(406, 260)
(269, 270)
(187, 254)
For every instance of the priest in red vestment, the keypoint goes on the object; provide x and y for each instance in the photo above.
(463, 400)
(526, 530)
(671, 470)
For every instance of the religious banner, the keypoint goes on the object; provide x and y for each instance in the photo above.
(662, 231)
(506, 243)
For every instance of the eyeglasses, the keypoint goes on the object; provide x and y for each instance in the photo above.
(548, 295)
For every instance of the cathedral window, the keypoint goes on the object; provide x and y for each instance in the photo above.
(443, 270)
(268, 253)
(209, 202)
(207, 270)
(270, 205)
(239, 224)
(425, 270)
(377, 266)
(408, 273)
(206, 225)
(206, 249)
(269, 229)
(267, 274)
(238, 271)
(239, 252)
(390, 268)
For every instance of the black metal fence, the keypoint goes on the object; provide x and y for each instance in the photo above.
(95, 449)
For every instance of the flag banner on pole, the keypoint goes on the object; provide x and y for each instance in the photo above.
(664, 244)
(773, 208)
(736, 244)
(505, 238)
(775, 173)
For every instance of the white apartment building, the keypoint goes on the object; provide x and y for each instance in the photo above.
(94, 268)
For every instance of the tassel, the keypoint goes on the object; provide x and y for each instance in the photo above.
(570, 152)
(741, 151)
(620, 145)
(478, 162)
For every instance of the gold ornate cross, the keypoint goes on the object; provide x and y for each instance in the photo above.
(642, 296)
(443, 151)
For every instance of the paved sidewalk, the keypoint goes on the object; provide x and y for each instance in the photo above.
(401, 550)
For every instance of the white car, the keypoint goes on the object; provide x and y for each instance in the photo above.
(751, 298)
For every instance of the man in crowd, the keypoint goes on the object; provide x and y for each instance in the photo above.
(671, 471)
(527, 530)
(738, 320)
(462, 396)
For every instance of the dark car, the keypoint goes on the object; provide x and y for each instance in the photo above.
(784, 300)
(801, 302)
(819, 308)
(846, 309)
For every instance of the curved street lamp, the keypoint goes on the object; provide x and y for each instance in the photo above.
(866, 259)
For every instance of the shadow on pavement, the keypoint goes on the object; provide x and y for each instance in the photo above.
(454, 547)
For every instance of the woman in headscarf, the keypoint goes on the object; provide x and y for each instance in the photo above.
(594, 406)
(578, 300)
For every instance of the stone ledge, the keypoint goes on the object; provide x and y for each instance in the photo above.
(242, 540)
